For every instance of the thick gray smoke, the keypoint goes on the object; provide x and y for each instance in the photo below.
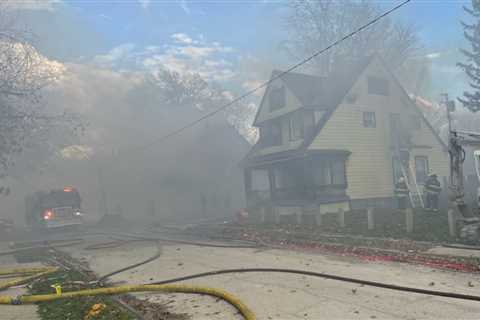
(193, 175)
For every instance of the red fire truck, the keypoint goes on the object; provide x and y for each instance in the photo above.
(54, 209)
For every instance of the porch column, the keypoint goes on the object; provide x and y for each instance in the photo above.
(409, 220)
(370, 219)
(263, 214)
(318, 217)
(451, 223)
(299, 215)
(276, 215)
(341, 218)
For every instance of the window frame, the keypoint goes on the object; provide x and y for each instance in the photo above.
(379, 86)
(266, 134)
(396, 169)
(298, 118)
(329, 164)
(256, 175)
(366, 121)
(427, 168)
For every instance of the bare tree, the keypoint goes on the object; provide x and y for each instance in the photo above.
(24, 73)
(314, 25)
(172, 91)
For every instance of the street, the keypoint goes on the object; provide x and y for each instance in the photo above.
(286, 296)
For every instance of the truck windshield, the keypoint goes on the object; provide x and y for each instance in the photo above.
(61, 199)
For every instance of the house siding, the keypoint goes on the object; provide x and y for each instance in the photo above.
(369, 167)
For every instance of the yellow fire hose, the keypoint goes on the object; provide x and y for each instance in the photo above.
(26, 275)
(242, 308)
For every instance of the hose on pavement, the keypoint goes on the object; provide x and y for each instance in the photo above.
(140, 237)
(325, 276)
(235, 302)
(135, 265)
(26, 275)
(42, 246)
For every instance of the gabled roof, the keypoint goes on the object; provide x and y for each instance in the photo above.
(329, 94)
(414, 105)
(324, 93)
(304, 86)
(340, 84)
(320, 92)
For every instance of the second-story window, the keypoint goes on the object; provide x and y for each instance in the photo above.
(277, 98)
(369, 120)
(271, 134)
(296, 126)
(378, 86)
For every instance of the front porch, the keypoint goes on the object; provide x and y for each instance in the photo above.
(297, 181)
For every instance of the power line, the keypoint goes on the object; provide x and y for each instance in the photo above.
(281, 74)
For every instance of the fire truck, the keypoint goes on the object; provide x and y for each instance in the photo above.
(54, 209)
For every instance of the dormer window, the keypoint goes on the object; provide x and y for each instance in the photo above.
(276, 98)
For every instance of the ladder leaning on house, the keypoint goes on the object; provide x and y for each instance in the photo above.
(414, 193)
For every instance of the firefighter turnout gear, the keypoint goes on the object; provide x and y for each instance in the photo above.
(432, 190)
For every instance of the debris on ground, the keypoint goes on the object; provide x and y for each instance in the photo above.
(80, 277)
(78, 308)
(153, 311)
(301, 238)
(96, 309)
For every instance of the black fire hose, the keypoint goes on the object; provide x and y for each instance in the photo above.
(154, 257)
(327, 276)
(247, 245)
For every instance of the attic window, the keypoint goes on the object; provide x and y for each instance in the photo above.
(369, 120)
(277, 98)
(378, 86)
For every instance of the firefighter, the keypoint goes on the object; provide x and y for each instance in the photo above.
(401, 192)
(432, 189)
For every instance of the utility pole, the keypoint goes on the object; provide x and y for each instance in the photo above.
(450, 107)
(455, 166)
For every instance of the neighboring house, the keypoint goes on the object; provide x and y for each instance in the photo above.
(198, 177)
(335, 143)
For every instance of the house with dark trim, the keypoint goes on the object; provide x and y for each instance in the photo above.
(338, 143)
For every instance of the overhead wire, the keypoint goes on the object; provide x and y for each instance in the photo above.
(266, 83)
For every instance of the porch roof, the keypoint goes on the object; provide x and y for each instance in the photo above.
(290, 155)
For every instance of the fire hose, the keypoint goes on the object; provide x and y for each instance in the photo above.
(235, 302)
(325, 276)
(154, 257)
(47, 245)
(26, 274)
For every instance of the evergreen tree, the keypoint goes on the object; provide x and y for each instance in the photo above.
(471, 99)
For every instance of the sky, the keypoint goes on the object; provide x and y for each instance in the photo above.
(221, 40)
